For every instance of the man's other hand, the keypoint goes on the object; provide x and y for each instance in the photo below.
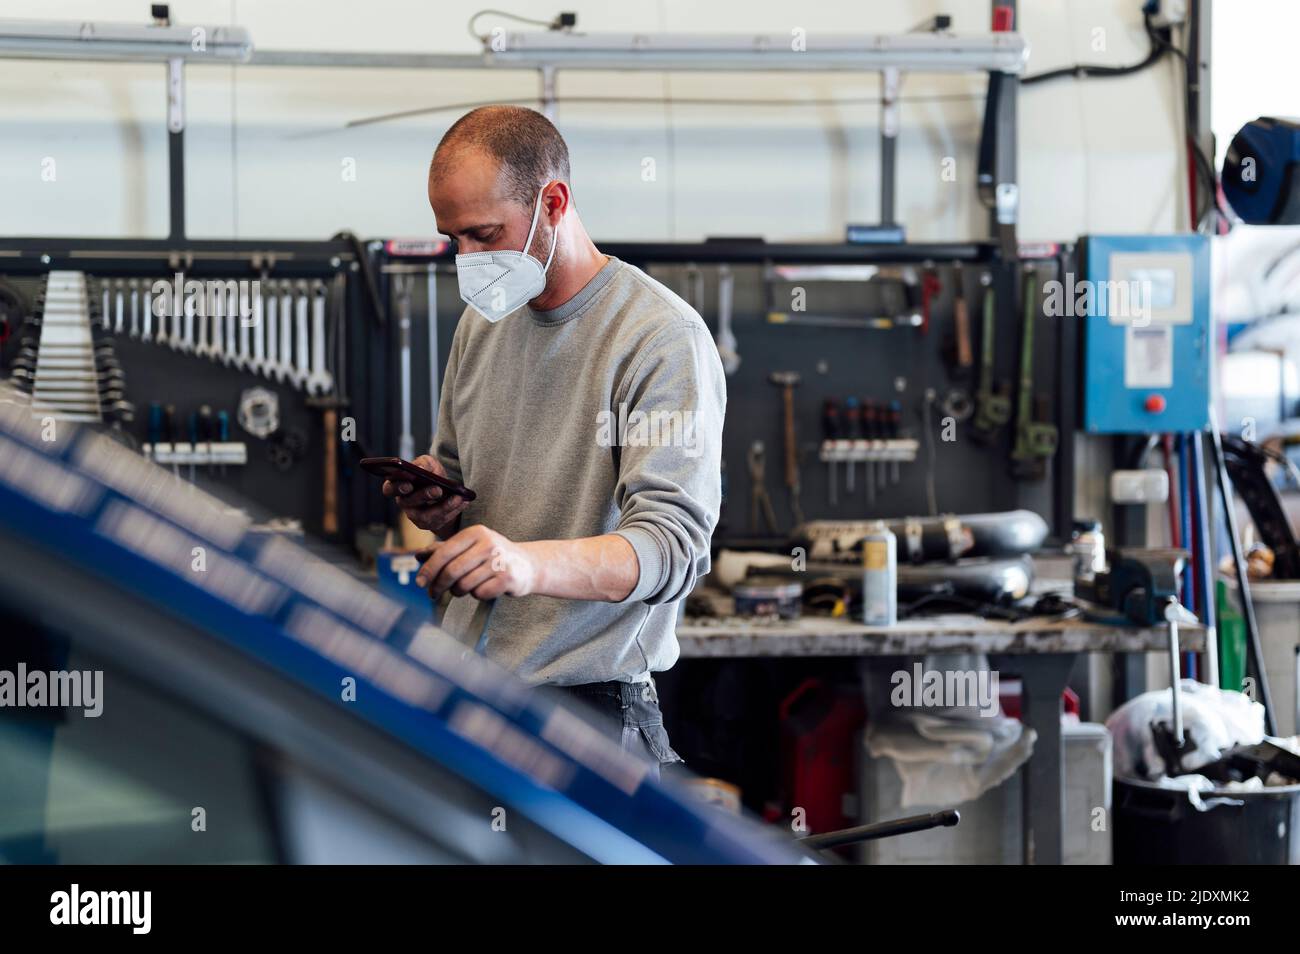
(481, 563)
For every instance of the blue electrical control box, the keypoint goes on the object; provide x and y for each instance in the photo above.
(1145, 300)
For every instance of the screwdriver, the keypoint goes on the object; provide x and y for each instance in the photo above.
(852, 431)
(155, 424)
(205, 431)
(194, 441)
(831, 433)
(871, 427)
(169, 435)
(895, 422)
(223, 432)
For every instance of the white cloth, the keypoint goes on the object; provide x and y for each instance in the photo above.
(1213, 719)
(944, 760)
(944, 756)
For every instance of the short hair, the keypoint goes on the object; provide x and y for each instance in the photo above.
(527, 146)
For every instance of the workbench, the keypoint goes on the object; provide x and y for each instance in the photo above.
(1045, 651)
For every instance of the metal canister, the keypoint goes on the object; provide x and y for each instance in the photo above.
(879, 576)
(1088, 548)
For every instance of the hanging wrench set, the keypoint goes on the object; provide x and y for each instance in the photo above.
(237, 360)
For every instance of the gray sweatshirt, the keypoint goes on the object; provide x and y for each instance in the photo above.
(603, 415)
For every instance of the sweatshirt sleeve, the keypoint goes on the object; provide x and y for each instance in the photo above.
(669, 490)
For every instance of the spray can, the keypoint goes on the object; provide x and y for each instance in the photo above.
(879, 576)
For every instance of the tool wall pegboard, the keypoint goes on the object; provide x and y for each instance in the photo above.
(840, 339)
(187, 375)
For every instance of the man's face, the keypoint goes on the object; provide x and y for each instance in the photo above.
(471, 208)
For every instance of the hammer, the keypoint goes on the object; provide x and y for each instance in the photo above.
(787, 381)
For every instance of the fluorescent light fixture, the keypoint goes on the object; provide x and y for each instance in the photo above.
(85, 40)
(915, 52)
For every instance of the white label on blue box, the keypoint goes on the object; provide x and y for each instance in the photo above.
(1149, 357)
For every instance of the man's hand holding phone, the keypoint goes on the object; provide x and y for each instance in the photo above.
(431, 507)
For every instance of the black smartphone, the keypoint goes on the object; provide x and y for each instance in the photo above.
(403, 471)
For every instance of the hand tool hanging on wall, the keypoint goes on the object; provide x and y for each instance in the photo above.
(931, 289)
(69, 367)
(334, 334)
(694, 278)
(185, 344)
(959, 353)
(1036, 438)
(259, 308)
(170, 434)
(787, 381)
(194, 440)
(134, 288)
(319, 381)
(831, 436)
(894, 432)
(228, 309)
(760, 502)
(223, 432)
(992, 407)
(435, 386)
(302, 322)
(119, 310)
(105, 308)
(217, 304)
(162, 336)
(874, 429)
(242, 309)
(146, 293)
(401, 288)
(202, 319)
(286, 331)
(271, 297)
(963, 352)
(853, 434)
(898, 290)
(726, 340)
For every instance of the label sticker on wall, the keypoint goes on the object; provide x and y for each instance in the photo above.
(1149, 357)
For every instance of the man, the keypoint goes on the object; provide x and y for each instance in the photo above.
(583, 402)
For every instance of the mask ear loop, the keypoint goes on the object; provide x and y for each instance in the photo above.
(528, 242)
(537, 211)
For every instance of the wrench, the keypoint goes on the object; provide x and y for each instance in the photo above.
(242, 316)
(104, 317)
(320, 381)
(285, 370)
(135, 308)
(271, 366)
(258, 364)
(165, 320)
(232, 319)
(186, 342)
(204, 347)
(147, 333)
(303, 369)
(217, 306)
(120, 312)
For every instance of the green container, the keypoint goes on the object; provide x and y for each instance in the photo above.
(1232, 640)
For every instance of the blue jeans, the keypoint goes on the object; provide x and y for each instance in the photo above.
(629, 713)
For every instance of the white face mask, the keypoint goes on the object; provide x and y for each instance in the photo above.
(496, 283)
